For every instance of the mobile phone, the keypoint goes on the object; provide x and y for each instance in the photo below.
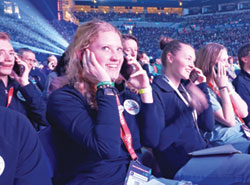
(193, 75)
(126, 69)
(216, 68)
(18, 68)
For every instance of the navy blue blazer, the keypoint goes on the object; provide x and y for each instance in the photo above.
(21, 151)
(26, 100)
(177, 133)
(242, 87)
(89, 148)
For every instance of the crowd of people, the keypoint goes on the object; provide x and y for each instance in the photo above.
(218, 18)
(30, 32)
(94, 115)
(195, 30)
(112, 16)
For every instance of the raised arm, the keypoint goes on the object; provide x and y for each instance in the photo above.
(35, 105)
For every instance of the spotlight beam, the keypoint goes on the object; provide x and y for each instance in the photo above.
(35, 49)
(32, 35)
(37, 27)
(41, 26)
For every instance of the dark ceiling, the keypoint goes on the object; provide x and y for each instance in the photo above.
(155, 3)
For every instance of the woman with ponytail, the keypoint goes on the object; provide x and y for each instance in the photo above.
(183, 107)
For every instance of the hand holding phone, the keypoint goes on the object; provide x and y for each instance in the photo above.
(196, 76)
(216, 68)
(193, 75)
(18, 68)
(126, 69)
(220, 75)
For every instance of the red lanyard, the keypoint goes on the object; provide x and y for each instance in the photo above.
(213, 88)
(125, 133)
(10, 96)
(218, 94)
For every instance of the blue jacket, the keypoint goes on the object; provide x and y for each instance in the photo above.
(26, 100)
(242, 86)
(177, 135)
(88, 145)
(38, 78)
(21, 151)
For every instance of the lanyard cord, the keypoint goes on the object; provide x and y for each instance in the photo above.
(194, 112)
(125, 133)
(218, 94)
(10, 96)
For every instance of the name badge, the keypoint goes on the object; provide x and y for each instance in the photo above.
(137, 174)
(2, 165)
(131, 106)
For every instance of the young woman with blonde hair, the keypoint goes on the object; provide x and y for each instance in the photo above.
(88, 113)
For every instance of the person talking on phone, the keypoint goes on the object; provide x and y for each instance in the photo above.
(36, 76)
(178, 131)
(88, 114)
(16, 92)
(228, 107)
(131, 51)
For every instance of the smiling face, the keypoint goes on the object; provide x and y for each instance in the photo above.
(107, 48)
(6, 58)
(130, 48)
(223, 58)
(182, 63)
(29, 58)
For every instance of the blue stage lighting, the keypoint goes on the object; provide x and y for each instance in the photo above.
(18, 45)
(33, 31)
(30, 34)
(40, 25)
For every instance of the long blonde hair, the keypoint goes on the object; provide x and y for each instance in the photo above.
(75, 73)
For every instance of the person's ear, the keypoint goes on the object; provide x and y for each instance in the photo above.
(170, 57)
(244, 59)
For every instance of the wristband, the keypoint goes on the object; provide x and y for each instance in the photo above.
(107, 91)
(223, 87)
(145, 90)
(105, 83)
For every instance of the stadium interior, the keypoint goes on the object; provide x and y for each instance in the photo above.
(48, 27)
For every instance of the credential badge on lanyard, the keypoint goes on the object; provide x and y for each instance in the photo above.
(137, 174)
